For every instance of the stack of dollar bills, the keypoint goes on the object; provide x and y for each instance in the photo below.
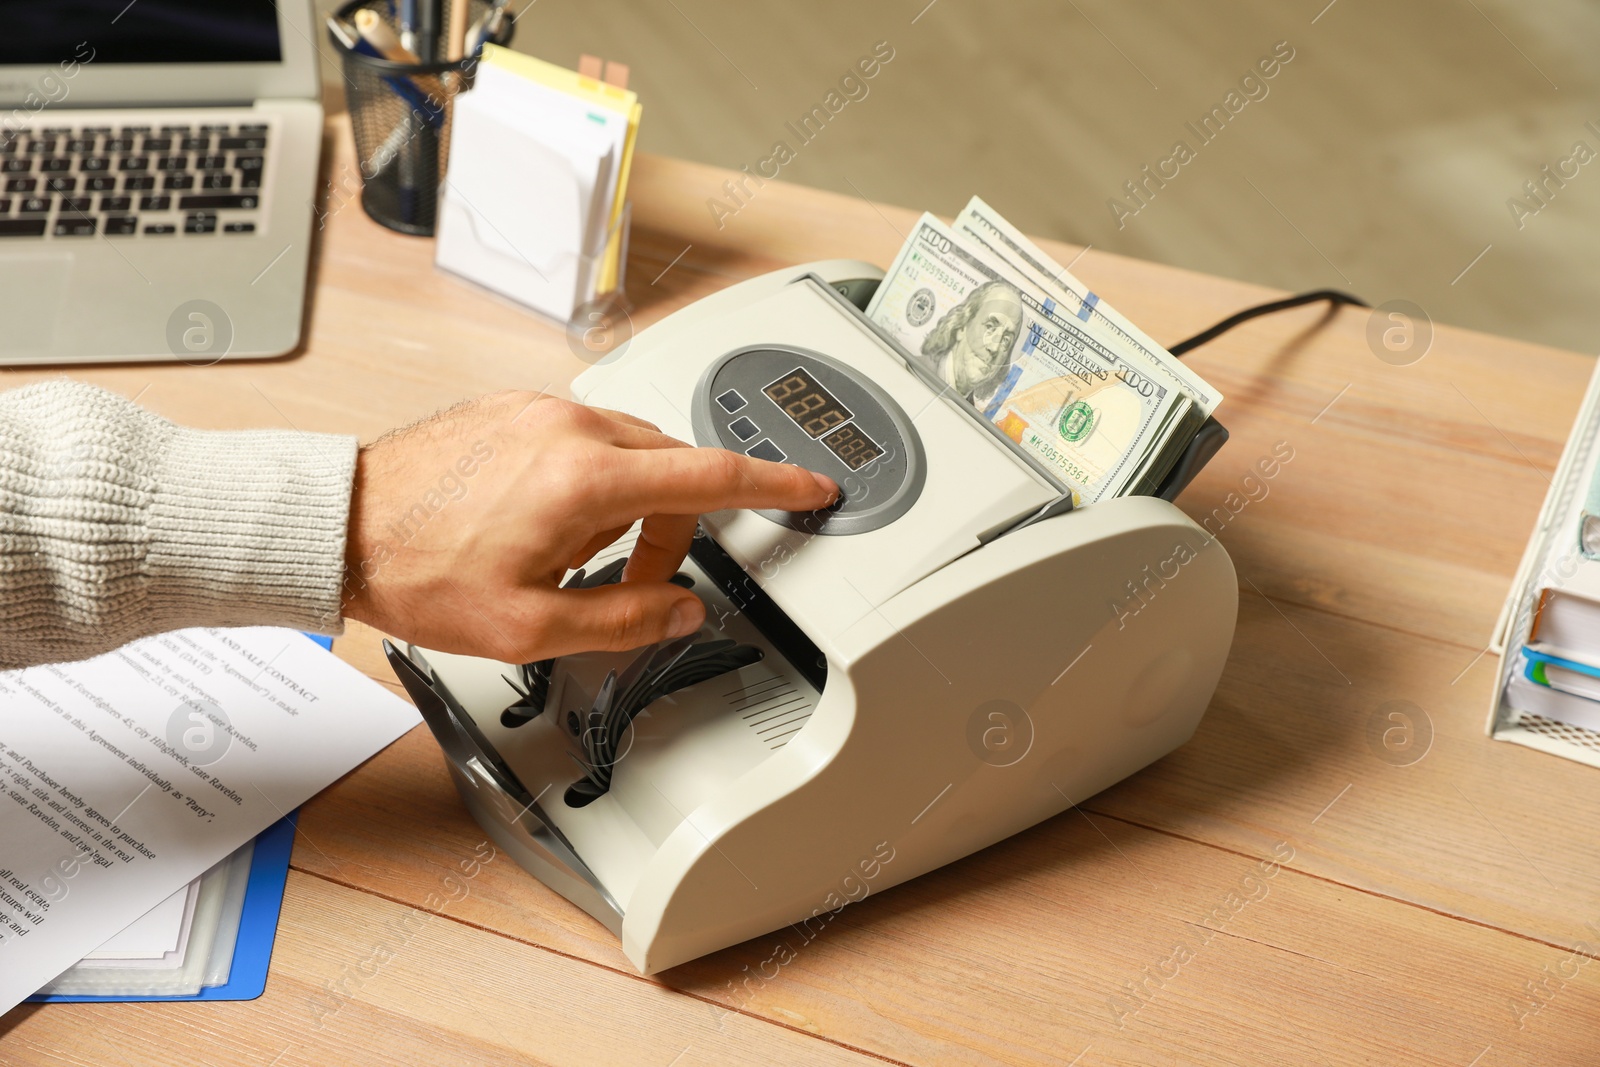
(1006, 330)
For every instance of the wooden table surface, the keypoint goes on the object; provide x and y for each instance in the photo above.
(1434, 910)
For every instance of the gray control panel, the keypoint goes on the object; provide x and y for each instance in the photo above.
(790, 405)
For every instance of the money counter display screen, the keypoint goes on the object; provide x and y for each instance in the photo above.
(809, 405)
(852, 446)
(816, 411)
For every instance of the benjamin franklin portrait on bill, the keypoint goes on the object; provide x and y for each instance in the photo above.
(970, 347)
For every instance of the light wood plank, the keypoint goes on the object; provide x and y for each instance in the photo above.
(358, 979)
(1014, 955)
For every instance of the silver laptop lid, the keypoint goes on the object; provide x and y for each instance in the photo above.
(58, 54)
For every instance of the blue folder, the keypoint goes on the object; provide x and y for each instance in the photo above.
(1536, 661)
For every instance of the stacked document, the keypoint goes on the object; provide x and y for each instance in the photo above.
(131, 779)
(213, 935)
(1005, 328)
(534, 200)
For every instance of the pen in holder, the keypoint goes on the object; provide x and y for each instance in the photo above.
(400, 116)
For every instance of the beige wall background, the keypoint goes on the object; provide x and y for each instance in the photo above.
(1381, 158)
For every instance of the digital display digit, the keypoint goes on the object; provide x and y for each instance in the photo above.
(852, 446)
(809, 405)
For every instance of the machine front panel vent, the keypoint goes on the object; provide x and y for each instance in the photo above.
(772, 707)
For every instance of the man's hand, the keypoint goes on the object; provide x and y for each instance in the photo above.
(462, 525)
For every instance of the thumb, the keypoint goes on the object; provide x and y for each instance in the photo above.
(627, 615)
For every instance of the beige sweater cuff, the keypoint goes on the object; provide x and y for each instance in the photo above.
(248, 527)
(116, 524)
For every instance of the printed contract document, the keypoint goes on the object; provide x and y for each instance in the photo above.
(124, 777)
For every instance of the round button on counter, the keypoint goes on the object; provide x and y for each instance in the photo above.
(791, 405)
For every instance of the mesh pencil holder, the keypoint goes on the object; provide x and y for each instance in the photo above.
(400, 115)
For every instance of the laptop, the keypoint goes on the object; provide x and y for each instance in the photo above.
(158, 167)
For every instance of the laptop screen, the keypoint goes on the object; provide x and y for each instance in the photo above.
(48, 32)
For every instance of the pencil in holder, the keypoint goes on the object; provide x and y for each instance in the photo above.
(400, 116)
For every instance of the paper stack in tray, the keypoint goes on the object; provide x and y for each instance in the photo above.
(1551, 628)
(533, 204)
(1079, 388)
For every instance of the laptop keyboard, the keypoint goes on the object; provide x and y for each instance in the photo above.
(126, 181)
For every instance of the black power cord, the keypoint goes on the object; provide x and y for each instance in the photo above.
(1333, 296)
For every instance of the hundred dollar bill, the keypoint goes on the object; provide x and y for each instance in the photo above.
(985, 226)
(1089, 414)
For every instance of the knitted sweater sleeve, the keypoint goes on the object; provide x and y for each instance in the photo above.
(116, 524)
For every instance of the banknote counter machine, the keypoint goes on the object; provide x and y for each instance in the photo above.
(949, 655)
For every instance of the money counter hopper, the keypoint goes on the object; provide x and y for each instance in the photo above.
(946, 657)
